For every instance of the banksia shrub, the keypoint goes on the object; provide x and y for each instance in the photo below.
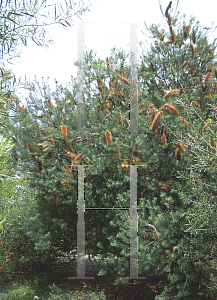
(64, 130)
(108, 138)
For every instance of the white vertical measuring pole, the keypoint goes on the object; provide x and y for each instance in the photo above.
(81, 131)
(133, 168)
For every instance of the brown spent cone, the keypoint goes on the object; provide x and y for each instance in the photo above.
(215, 71)
(171, 93)
(194, 37)
(153, 114)
(192, 48)
(136, 160)
(108, 138)
(118, 154)
(39, 162)
(167, 9)
(120, 119)
(78, 157)
(135, 151)
(208, 75)
(171, 108)
(98, 107)
(183, 64)
(109, 104)
(182, 120)
(154, 123)
(50, 140)
(197, 104)
(142, 111)
(191, 70)
(177, 154)
(197, 81)
(68, 146)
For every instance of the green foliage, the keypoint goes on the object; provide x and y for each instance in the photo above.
(176, 186)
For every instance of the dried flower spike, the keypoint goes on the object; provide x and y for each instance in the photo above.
(168, 7)
(208, 75)
(197, 104)
(120, 119)
(108, 138)
(182, 120)
(125, 80)
(192, 48)
(171, 93)
(78, 157)
(106, 112)
(170, 107)
(177, 154)
(154, 123)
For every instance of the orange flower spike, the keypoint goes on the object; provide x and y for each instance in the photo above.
(182, 148)
(70, 154)
(64, 130)
(78, 157)
(208, 75)
(170, 107)
(154, 123)
(197, 104)
(163, 138)
(192, 48)
(182, 120)
(166, 187)
(171, 93)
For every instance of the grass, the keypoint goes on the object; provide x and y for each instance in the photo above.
(36, 288)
